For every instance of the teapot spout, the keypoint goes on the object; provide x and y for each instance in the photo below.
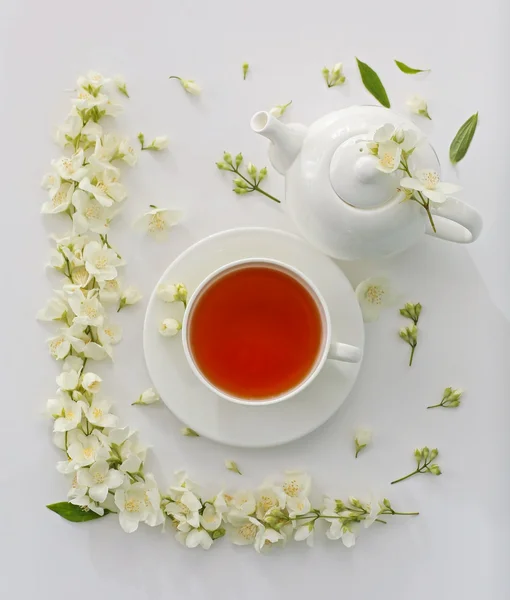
(286, 140)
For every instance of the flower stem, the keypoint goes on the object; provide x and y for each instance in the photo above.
(412, 355)
(435, 405)
(254, 186)
(406, 476)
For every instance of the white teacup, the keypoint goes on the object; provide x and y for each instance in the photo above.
(329, 349)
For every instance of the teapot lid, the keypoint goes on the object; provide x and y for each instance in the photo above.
(355, 178)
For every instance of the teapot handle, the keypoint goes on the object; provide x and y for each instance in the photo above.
(458, 222)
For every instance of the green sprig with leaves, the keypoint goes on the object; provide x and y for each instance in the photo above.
(424, 458)
(451, 399)
(245, 184)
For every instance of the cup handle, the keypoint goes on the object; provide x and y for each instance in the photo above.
(458, 222)
(344, 352)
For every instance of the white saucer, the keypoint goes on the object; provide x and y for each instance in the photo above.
(215, 417)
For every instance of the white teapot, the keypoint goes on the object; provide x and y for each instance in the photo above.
(339, 199)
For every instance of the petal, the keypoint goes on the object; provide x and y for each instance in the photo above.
(448, 188)
(412, 184)
(434, 196)
(99, 492)
(128, 522)
(114, 479)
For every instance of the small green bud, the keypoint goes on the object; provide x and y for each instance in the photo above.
(339, 506)
(227, 158)
(399, 136)
(239, 159)
(434, 469)
(404, 334)
(222, 166)
(240, 183)
(355, 502)
(263, 173)
(246, 68)
(417, 309)
(418, 454)
(325, 74)
(387, 503)
(141, 139)
(433, 453)
(425, 452)
(252, 169)
(238, 190)
(218, 533)
(453, 403)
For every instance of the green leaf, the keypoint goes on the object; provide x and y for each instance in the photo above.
(74, 513)
(373, 84)
(462, 140)
(409, 70)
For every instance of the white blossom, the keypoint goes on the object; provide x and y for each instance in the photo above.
(60, 199)
(99, 478)
(55, 310)
(130, 295)
(91, 382)
(98, 412)
(429, 184)
(267, 498)
(104, 187)
(101, 261)
(196, 537)
(305, 532)
(169, 327)
(374, 294)
(71, 167)
(65, 411)
(158, 221)
(418, 105)
(109, 291)
(149, 396)
(109, 334)
(172, 292)
(68, 380)
(86, 449)
(87, 308)
(90, 214)
(189, 85)
(296, 484)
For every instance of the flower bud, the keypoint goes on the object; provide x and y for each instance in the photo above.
(240, 190)
(433, 453)
(399, 135)
(252, 169)
(418, 454)
(262, 173)
(339, 506)
(404, 334)
(222, 166)
(434, 469)
(355, 502)
(387, 503)
(425, 452)
(227, 158)
(239, 159)
(240, 183)
(218, 533)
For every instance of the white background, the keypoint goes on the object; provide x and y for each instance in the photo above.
(458, 547)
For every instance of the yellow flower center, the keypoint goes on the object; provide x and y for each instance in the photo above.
(88, 452)
(80, 276)
(101, 262)
(99, 477)
(92, 212)
(97, 413)
(387, 160)
(291, 487)
(132, 505)
(265, 503)
(91, 312)
(157, 223)
(109, 332)
(374, 294)
(67, 164)
(248, 531)
(184, 509)
(55, 344)
(69, 414)
(101, 186)
(59, 198)
(430, 179)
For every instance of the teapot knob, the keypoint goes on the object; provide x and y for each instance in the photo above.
(365, 168)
